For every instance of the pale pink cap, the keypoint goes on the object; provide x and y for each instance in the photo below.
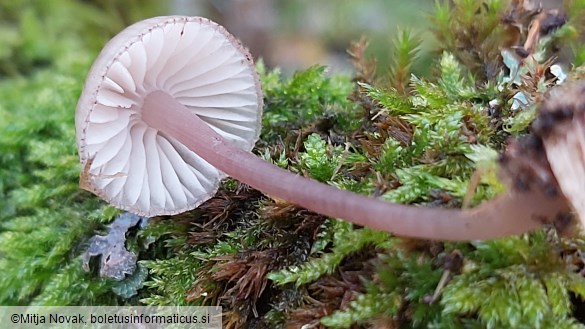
(135, 167)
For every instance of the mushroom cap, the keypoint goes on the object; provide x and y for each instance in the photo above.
(138, 168)
(561, 125)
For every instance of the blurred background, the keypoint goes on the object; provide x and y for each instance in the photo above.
(300, 33)
(291, 34)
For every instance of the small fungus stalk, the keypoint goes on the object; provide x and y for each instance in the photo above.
(512, 213)
(167, 92)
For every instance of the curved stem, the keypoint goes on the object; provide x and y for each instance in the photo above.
(507, 215)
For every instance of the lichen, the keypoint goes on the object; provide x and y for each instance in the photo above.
(115, 260)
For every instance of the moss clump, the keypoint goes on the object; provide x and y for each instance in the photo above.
(45, 218)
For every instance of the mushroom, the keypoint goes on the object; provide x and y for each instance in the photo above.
(561, 127)
(173, 104)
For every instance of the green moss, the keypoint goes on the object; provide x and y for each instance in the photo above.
(45, 218)
(432, 140)
(516, 282)
(319, 159)
(44, 215)
(302, 100)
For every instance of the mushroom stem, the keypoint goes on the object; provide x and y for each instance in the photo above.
(509, 214)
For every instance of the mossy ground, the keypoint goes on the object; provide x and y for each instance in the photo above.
(406, 139)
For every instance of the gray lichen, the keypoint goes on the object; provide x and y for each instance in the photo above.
(116, 261)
